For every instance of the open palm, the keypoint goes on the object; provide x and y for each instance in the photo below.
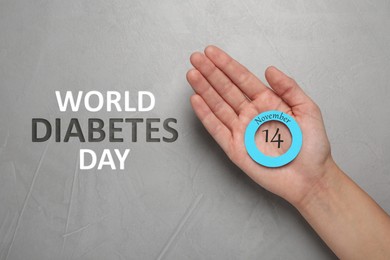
(228, 96)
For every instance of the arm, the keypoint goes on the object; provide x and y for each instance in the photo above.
(227, 96)
(346, 218)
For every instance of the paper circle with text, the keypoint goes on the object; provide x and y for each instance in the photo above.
(270, 161)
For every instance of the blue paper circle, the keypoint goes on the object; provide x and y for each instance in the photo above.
(269, 161)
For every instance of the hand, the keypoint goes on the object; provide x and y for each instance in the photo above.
(228, 96)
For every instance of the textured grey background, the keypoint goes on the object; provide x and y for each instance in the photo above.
(182, 200)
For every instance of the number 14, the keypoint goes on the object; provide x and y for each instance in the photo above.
(273, 138)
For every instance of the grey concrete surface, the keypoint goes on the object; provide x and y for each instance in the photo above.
(181, 200)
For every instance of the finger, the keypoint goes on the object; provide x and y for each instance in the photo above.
(241, 76)
(286, 88)
(219, 81)
(268, 100)
(213, 125)
(213, 100)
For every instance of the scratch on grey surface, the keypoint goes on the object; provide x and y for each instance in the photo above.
(7, 234)
(5, 219)
(85, 227)
(362, 19)
(119, 254)
(92, 249)
(139, 179)
(276, 50)
(1, 229)
(188, 214)
(254, 208)
(26, 200)
(6, 140)
(70, 204)
(273, 210)
(34, 75)
(196, 172)
(15, 181)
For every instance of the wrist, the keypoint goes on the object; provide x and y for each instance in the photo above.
(321, 190)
